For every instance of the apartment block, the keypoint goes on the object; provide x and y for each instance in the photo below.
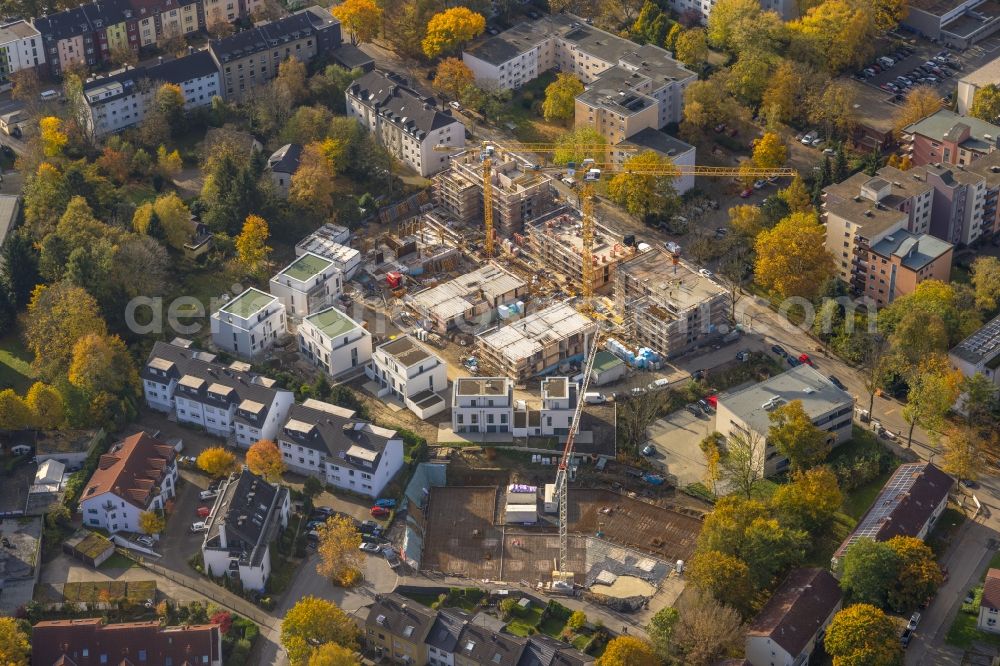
(159, 21)
(482, 404)
(122, 99)
(520, 193)
(748, 411)
(901, 261)
(227, 401)
(670, 306)
(786, 9)
(250, 324)
(334, 342)
(410, 126)
(537, 344)
(680, 153)
(307, 285)
(407, 370)
(556, 241)
(86, 35)
(92, 641)
(330, 241)
(327, 441)
(945, 137)
(20, 48)
(471, 300)
(988, 168)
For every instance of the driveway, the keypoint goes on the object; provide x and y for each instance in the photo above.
(177, 544)
(676, 439)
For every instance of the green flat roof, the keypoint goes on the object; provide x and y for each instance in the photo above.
(306, 266)
(332, 322)
(605, 360)
(249, 302)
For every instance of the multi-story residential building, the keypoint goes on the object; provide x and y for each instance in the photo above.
(890, 189)
(136, 475)
(482, 404)
(680, 153)
(396, 629)
(226, 401)
(960, 197)
(556, 242)
(560, 397)
(282, 165)
(20, 48)
(410, 126)
(84, 36)
(247, 516)
(673, 306)
(786, 9)
(330, 241)
(980, 352)
(901, 261)
(748, 411)
(471, 300)
(944, 137)
(537, 344)
(307, 285)
(909, 504)
(329, 442)
(122, 100)
(407, 370)
(92, 642)
(252, 57)
(520, 193)
(249, 324)
(160, 20)
(334, 342)
(792, 623)
(987, 168)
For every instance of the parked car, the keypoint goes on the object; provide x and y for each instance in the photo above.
(914, 621)
(203, 512)
(693, 409)
(386, 503)
(391, 557)
(747, 193)
(323, 511)
(808, 137)
(705, 407)
(794, 362)
(208, 494)
(370, 527)
(779, 350)
(759, 184)
(904, 639)
(817, 142)
(145, 541)
(704, 272)
(199, 526)
(836, 382)
(658, 384)
(369, 547)
(804, 358)
(379, 512)
(638, 390)
(649, 450)
(455, 105)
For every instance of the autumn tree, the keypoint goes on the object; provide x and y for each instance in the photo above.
(291, 81)
(833, 108)
(692, 47)
(747, 77)
(217, 462)
(57, 316)
(168, 217)
(48, 409)
(863, 634)
(313, 622)
(747, 220)
(809, 501)
(14, 644)
(264, 459)
(560, 97)
(796, 196)
(150, 522)
(579, 144)
(723, 576)
(705, 107)
(251, 245)
(168, 163)
(46, 195)
(934, 388)
(362, 18)
(794, 436)
(451, 28)
(644, 193)
(769, 151)
(628, 651)
(635, 414)
(920, 102)
(312, 186)
(918, 574)
(986, 103)
(53, 136)
(791, 258)
(102, 364)
(661, 630)
(867, 571)
(786, 92)
(834, 34)
(652, 25)
(726, 15)
(340, 558)
(986, 282)
(706, 630)
(14, 411)
(743, 461)
(453, 77)
(331, 654)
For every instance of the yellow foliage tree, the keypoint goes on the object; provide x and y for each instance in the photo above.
(340, 559)
(312, 185)
(291, 81)
(453, 76)
(14, 645)
(792, 258)
(796, 196)
(640, 193)
(331, 654)
(362, 18)
(628, 651)
(785, 93)
(251, 245)
(692, 47)
(747, 220)
(102, 364)
(920, 102)
(863, 634)
(451, 28)
(48, 410)
(14, 411)
(769, 151)
(151, 522)
(58, 315)
(54, 138)
(264, 459)
(726, 15)
(560, 97)
(216, 461)
(836, 33)
(168, 162)
(314, 622)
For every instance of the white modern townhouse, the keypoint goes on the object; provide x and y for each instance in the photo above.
(334, 342)
(250, 324)
(307, 285)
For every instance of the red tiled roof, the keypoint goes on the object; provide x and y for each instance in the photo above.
(63, 643)
(132, 470)
(797, 609)
(991, 589)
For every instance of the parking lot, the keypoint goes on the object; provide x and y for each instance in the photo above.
(675, 439)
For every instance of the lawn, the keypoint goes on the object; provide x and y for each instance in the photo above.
(827, 542)
(526, 623)
(420, 598)
(15, 365)
(964, 630)
(117, 561)
(523, 111)
(553, 625)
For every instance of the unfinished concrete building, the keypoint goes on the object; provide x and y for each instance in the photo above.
(537, 344)
(669, 306)
(471, 299)
(556, 241)
(519, 192)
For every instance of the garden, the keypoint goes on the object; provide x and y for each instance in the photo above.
(964, 631)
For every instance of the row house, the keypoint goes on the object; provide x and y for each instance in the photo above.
(487, 405)
(92, 641)
(87, 35)
(334, 342)
(250, 324)
(307, 285)
(328, 442)
(228, 401)
(408, 371)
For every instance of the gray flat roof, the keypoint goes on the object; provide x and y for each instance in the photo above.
(983, 345)
(916, 250)
(804, 383)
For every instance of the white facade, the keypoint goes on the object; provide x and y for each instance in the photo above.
(110, 512)
(334, 342)
(482, 404)
(250, 324)
(234, 419)
(403, 367)
(331, 241)
(20, 48)
(307, 285)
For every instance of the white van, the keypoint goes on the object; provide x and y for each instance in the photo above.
(48, 95)
(594, 398)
